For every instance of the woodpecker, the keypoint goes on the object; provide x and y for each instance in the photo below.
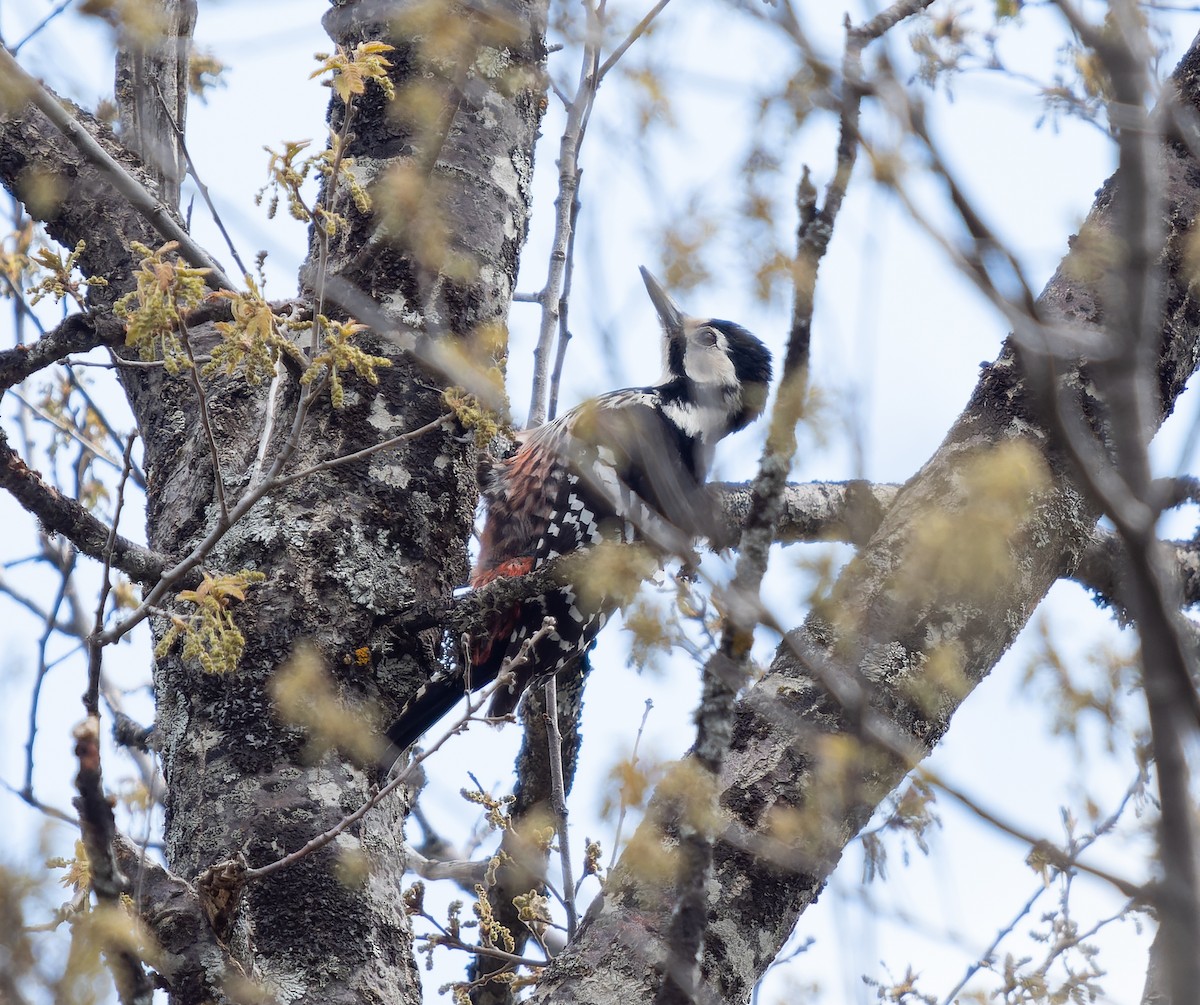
(627, 465)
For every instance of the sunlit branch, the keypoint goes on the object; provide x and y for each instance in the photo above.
(135, 193)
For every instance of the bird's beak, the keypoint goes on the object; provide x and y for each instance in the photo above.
(668, 313)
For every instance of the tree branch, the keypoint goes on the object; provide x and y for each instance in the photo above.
(192, 959)
(99, 830)
(130, 188)
(76, 333)
(60, 514)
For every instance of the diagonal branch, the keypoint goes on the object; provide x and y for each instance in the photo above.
(76, 333)
(191, 957)
(726, 671)
(60, 514)
(99, 829)
(130, 188)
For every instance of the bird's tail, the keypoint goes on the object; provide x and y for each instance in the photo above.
(427, 706)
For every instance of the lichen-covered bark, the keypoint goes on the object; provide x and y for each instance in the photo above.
(345, 551)
(884, 644)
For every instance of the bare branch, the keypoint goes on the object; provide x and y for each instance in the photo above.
(579, 110)
(62, 515)
(98, 827)
(638, 31)
(558, 797)
(193, 955)
(91, 697)
(726, 671)
(76, 333)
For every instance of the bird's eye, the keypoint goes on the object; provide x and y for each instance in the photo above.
(706, 337)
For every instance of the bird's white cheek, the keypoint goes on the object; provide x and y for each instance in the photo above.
(709, 366)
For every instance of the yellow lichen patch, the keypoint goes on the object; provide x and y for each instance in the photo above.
(611, 571)
(940, 680)
(967, 547)
(409, 202)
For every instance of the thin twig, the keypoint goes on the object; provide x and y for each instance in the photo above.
(1061, 861)
(135, 472)
(453, 942)
(564, 326)
(91, 698)
(98, 829)
(308, 394)
(203, 189)
(37, 28)
(28, 798)
(727, 670)
(43, 668)
(984, 958)
(633, 760)
(205, 422)
(475, 701)
(358, 455)
(638, 31)
(559, 804)
(63, 515)
(579, 109)
(68, 429)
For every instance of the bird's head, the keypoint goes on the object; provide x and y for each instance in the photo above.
(714, 356)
